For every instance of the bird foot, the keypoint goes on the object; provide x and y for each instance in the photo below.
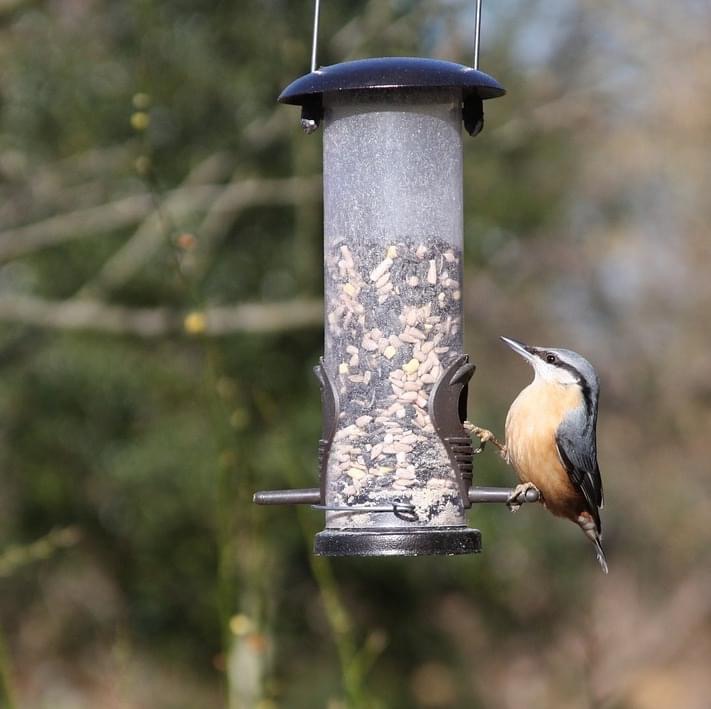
(485, 436)
(520, 495)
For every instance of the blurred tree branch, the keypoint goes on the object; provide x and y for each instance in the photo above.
(83, 223)
(81, 181)
(248, 193)
(151, 233)
(81, 314)
(19, 555)
(121, 213)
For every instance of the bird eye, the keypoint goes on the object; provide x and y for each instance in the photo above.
(551, 358)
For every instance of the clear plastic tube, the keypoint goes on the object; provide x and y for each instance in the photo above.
(393, 274)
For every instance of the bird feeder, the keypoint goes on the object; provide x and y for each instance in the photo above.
(395, 462)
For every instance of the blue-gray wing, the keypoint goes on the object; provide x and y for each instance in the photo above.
(578, 452)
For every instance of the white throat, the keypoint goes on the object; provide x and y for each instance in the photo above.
(550, 374)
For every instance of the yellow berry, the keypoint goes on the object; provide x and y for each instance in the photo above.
(195, 323)
(140, 120)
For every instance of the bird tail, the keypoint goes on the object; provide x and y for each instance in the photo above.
(592, 532)
(600, 554)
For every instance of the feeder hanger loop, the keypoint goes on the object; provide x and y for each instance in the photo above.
(477, 33)
(393, 73)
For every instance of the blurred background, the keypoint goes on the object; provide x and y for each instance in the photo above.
(160, 285)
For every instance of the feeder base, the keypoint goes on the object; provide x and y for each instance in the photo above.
(398, 541)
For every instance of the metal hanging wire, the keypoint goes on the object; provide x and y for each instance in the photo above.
(477, 33)
(314, 44)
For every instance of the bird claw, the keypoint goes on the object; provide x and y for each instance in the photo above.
(485, 436)
(518, 496)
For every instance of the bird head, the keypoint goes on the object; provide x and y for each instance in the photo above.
(558, 366)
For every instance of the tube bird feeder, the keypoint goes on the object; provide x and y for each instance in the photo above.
(396, 464)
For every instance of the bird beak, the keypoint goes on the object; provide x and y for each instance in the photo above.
(524, 350)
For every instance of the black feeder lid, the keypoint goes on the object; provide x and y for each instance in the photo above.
(387, 73)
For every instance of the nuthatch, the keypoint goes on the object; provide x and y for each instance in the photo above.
(550, 438)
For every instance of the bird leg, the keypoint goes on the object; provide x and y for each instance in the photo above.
(485, 436)
(518, 496)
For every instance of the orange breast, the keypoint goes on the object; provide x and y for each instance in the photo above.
(531, 424)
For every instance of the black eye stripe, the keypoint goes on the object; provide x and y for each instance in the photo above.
(584, 386)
